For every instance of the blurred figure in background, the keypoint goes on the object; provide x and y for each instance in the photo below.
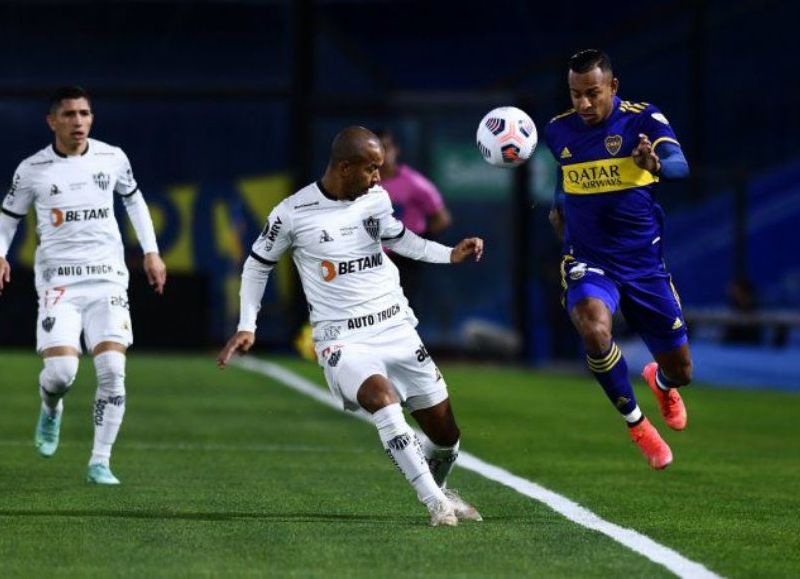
(417, 204)
(81, 277)
(742, 296)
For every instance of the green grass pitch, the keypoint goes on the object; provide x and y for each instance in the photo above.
(229, 474)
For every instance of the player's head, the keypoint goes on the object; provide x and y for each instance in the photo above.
(592, 85)
(390, 151)
(70, 117)
(356, 159)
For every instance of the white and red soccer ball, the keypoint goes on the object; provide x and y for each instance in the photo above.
(506, 137)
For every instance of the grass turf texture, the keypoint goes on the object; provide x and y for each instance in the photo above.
(229, 474)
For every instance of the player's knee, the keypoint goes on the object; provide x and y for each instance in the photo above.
(596, 336)
(375, 393)
(58, 374)
(110, 368)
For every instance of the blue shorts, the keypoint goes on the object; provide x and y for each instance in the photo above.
(650, 305)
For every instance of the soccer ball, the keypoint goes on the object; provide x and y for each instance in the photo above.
(506, 137)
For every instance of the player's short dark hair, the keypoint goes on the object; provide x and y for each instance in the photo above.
(351, 143)
(66, 93)
(588, 59)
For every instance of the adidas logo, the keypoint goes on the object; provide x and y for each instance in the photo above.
(678, 324)
(565, 154)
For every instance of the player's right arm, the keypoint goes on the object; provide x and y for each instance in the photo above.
(14, 208)
(556, 214)
(274, 240)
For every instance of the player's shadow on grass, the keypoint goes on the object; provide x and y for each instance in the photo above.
(226, 516)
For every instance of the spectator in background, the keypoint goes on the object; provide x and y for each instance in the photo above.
(417, 204)
(743, 300)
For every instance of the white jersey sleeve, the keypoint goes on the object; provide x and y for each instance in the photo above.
(15, 206)
(398, 238)
(274, 240)
(125, 183)
(20, 194)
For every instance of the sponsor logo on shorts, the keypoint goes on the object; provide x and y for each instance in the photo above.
(331, 333)
(120, 302)
(422, 353)
(48, 323)
(334, 358)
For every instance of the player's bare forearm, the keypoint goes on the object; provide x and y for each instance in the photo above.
(240, 342)
(156, 272)
(557, 221)
(465, 248)
(5, 274)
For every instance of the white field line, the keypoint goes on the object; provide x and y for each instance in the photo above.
(645, 546)
(198, 446)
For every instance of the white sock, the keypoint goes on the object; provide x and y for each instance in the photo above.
(109, 403)
(441, 459)
(403, 448)
(633, 416)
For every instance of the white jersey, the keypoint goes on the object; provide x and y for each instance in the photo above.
(79, 239)
(337, 249)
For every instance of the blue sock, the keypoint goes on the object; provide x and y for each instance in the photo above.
(611, 371)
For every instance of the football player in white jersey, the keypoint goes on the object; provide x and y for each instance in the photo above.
(80, 272)
(363, 329)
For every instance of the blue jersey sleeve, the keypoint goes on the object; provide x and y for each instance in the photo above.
(673, 163)
(656, 126)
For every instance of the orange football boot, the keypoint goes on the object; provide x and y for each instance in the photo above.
(672, 407)
(651, 444)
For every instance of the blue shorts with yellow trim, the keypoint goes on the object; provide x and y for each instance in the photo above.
(651, 305)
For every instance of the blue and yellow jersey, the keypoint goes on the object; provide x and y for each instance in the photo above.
(611, 218)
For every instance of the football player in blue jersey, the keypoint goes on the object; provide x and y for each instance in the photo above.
(611, 154)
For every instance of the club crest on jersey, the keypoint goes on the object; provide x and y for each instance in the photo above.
(54, 190)
(325, 237)
(372, 226)
(48, 323)
(613, 144)
(102, 180)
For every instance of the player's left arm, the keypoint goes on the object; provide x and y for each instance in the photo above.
(402, 240)
(139, 214)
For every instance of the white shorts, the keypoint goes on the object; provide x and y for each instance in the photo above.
(98, 309)
(396, 353)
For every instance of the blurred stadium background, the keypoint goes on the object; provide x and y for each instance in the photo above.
(225, 107)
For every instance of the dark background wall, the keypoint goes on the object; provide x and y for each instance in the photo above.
(224, 107)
